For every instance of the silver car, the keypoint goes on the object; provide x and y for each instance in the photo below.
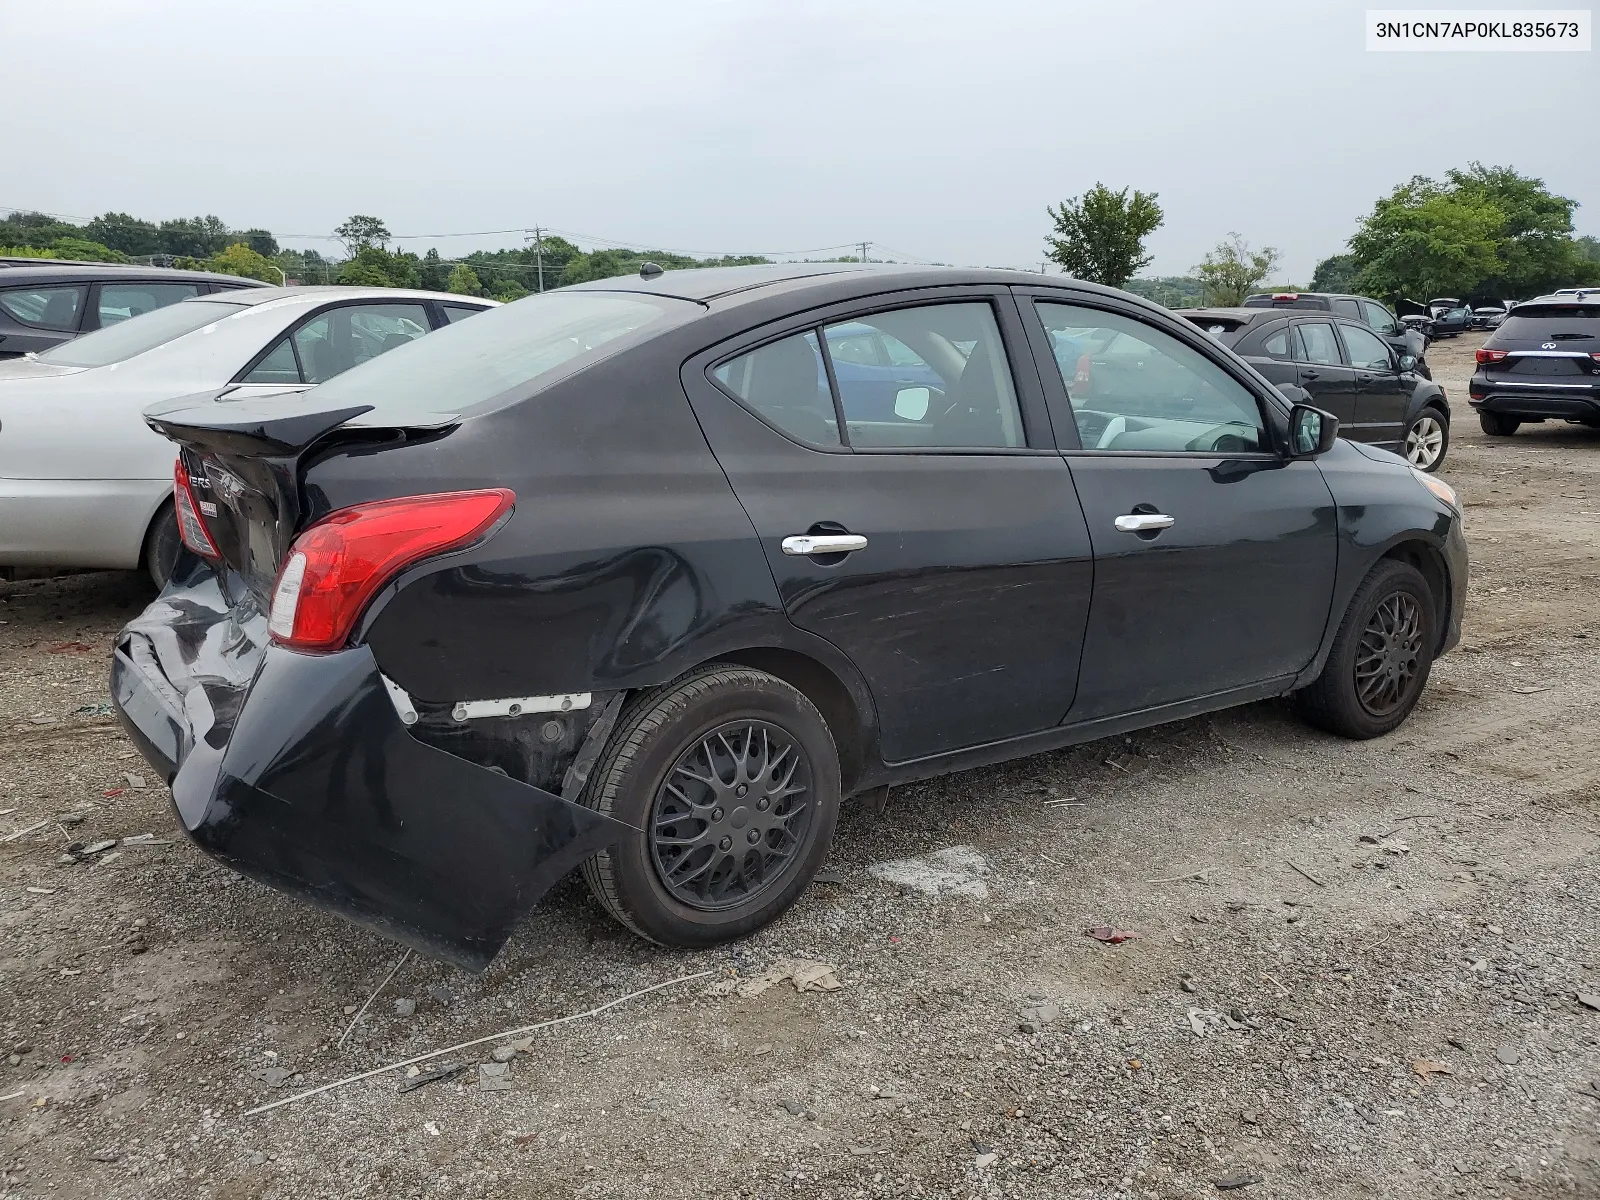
(85, 483)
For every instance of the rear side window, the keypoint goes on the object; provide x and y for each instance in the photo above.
(46, 307)
(455, 312)
(346, 337)
(1277, 346)
(119, 301)
(125, 339)
(933, 376)
(278, 366)
(1347, 308)
(1317, 344)
(785, 382)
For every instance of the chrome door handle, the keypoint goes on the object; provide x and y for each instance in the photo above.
(803, 545)
(1144, 522)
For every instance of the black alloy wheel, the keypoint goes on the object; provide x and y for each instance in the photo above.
(730, 815)
(1388, 654)
(730, 777)
(1380, 658)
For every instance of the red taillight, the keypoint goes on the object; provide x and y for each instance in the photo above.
(335, 567)
(1286, 295)
(1490, 356)
(190, 527)
(1596, 357)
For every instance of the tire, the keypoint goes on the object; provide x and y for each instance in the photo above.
(1394, 597)
(162, 545)
(668, 893)
(1427, 439)
(1497, 426)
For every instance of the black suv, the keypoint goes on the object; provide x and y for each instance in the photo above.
(645, 575)
(1347, 369)
(45, 303)
(1543, 362)
(1370, 313)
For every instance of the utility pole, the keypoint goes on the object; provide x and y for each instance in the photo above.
(1044, 267)
(538, 253)
(864, 247)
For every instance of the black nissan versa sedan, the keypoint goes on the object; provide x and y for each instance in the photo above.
(634, 577)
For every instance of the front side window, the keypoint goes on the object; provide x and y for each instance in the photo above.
(937, 377)
(1316, 344)
(785, 382)
(1347, 308)
(1367, 350)
(46, 307)
(1137, 388)
(119, 301)
(1379, 318)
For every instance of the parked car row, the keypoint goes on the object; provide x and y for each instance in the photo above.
(1406, 341)
(84, 482)
(644, 576)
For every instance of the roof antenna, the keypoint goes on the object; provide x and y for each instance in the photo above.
(649, 270)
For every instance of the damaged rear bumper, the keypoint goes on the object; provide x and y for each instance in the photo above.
(300, 773)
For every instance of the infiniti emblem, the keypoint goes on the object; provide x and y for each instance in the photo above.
(1547, 345)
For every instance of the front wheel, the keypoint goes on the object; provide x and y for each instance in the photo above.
(1381, 656)
(731, 778)
(1427, 439)
(1496, 425)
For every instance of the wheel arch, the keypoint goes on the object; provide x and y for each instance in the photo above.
(1430, 564)
(851, 727)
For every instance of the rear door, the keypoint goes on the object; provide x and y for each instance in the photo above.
(1322, 370)
(1214, 556)
(1382, 392)
(933, 535)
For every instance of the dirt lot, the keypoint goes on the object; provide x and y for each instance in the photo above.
(1266, 1022)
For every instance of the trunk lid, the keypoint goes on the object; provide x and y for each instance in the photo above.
(246, 459)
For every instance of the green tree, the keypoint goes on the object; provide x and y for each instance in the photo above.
(35, 229)
(600, 264)
(261, 241)
(125, 233)
(1422, 241)
(507, 290)
(1535, 245)
(197, 237)
(1336, 273)
(375, 267)
(361, 232)
(1231, 270)
(434, 276)
(1100, 235)
(464, 281)
(240, 259)
(84, 250)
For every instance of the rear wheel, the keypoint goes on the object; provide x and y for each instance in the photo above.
(1427, 439)
(732, 777)
(1381, 656)
(1497, 426)
(161, 546)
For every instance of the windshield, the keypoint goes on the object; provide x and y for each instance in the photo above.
(123, 340)
(472, 362)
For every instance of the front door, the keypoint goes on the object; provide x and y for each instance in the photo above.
(1322, 370)
(1382, 393)
(932, 535)
(1214, 556)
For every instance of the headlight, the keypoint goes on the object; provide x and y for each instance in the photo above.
(1438, 487)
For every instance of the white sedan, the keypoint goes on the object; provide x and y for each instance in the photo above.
(84, 482)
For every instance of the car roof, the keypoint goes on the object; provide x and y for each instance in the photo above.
(822, 282)
(316, 294)
(14, 271)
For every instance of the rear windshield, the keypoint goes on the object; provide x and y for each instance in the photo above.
(471, 362)
(122, 341)
(1552, 323)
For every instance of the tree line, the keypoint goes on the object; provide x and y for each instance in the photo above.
(1483, 233)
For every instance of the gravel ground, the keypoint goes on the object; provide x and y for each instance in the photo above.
(1318, 921)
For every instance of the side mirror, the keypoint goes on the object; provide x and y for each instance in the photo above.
(911, 403)
(1311, 431)
(1408, 362)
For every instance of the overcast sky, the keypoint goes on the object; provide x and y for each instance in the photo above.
(938, 129)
